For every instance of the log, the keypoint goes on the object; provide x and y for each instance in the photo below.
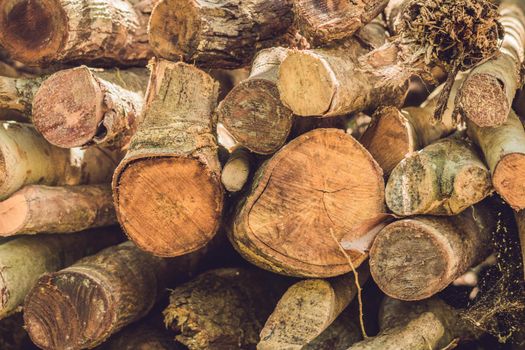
(244, 297)
(167, 190)
(485, 97)
(323, 22)
(24, 259)
(236, 171)
(426, 325)
(341, 334)
(27, 158)
(42, 32)
(307, 309)
(443, 178)
(81, 106)
(520, 221)
(39, 209)
(504, 150)
(16, 97)
(291, 192)
(413, 259)
(217, 35)
(81, 306)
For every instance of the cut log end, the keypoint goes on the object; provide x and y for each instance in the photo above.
(508, 179)
(14, 208)
(67, 108)
(169, 206)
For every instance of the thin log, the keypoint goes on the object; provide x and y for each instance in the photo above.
(82, 106)
(413, 259)
(224, 35)
(244, 297)
(43, 209)
(42, 32)
(27, 158)
(236, 171)
(167, 189)
(24, 259)
(443, 178)
(16, 97)
(504, 150)
(485, 97)
(291, 192)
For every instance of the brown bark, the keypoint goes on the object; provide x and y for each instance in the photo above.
(41, 32)
(291, 192)
(236, 171)
(217, 35)
(82, 106)
(16, 97)
(413, 259)
(167, 190)
(43, 209)
(223, 308)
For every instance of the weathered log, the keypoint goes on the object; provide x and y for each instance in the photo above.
(16, 97)
(41, 32)
(413, 259)
(223, 308)
(341, 333)
(167, 190)
(291, 192)
(24, 259)
(504, 150)
(217, 35)
(485, 97)
(520, 221)
(44, 209)
(81, 106)
(27, 158)
(236, 170)
(443, 178)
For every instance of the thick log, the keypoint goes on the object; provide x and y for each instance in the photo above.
(44, 209)
(504, 150)
(413, 259)
(24, 259)
(41, 32)
(443, 178)
(485, 97)
(236, 171)
(16, 97)
(27, 158)
(226, 34)
(291, 192)
(244, 299)
(82, 106)
(167, 190)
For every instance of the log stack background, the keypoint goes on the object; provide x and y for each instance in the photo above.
(270, 174)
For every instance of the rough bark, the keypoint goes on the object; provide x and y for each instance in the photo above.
(42, 32)
(291, 192)
(223, 309)
(504, 150)
(167, 190)
(27, 158)
(323, 22)
(43, 209)
(236, 170)
(224, 34)
(24, 259)
(413, 259)
(16, 97)
(443, 178)
(520, 221)
(306, 310)
(486, 96)
(82, 106)
(342, 333)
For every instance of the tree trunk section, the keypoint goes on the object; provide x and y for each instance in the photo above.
(16, 97)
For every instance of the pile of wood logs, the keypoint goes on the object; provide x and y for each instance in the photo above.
(242, 174)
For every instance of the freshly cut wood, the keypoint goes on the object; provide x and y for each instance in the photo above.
(217, 35)
(44, 209)
(443, 178)
(40, 32)
(16, 97)
(520, 221)
(81, 106)
(236, 170)
(292, 193)
(342, 333)
(24, 259)
(27, 158)
(325, 21)
(486, 95)
(504, 150)
(413, 259)
(223, 308)
(426, 325)
(307, 309)
(167, 190)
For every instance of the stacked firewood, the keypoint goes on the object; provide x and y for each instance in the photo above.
(267, 166)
